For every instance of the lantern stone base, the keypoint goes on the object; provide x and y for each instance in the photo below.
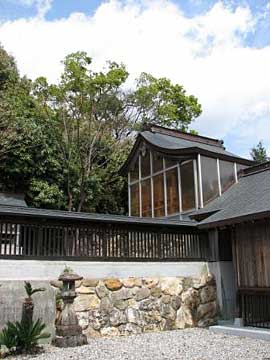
(70, 341)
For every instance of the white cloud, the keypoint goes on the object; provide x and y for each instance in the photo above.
(206, 53)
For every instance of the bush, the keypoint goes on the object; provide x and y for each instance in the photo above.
(28, 334)
(8, 336)
(23, 336)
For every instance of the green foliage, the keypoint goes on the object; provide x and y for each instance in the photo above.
(163, 103)
(30, 291)
(63, 144)
(29, 334)
(46, 194)
(67, 270)
(23, 336)
(259, 153)
(8, 69)
(8, 336)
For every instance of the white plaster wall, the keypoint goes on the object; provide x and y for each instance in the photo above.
(49, 270)
(12, 294)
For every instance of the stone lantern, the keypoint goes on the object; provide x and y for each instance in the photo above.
(68, 331)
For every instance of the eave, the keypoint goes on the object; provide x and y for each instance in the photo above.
(235, 220)
(189, 152)
(43, 215)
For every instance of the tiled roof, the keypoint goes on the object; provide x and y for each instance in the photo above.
(169, 142)
(248, 198)
(12, 199)
(76, 216)
(177, 143)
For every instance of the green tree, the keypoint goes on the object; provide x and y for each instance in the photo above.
(69, 139)
(27, 150)
(85, 106)
(259, 153)
(160, 102)
(9, 78)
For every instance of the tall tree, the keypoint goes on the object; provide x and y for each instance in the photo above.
(259, 153)
(9, 79)
(159, 101)
(72, 137)
(85, 106)
(27, 152)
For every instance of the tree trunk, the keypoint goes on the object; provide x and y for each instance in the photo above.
(70, 201)
(28, 310)
(82, 200)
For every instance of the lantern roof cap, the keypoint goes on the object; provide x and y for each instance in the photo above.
(69, 276)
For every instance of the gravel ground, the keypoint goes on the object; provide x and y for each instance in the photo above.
(190, 344)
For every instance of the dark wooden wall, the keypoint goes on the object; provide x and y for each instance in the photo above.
(252, 254)
(102, 241)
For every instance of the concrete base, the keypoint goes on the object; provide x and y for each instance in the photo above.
(238, 322)
(70, 341)
(250, 332)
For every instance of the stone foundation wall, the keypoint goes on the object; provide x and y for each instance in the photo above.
(108, 307)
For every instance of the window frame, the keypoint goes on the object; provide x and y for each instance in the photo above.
(197, 181)
(162, 172)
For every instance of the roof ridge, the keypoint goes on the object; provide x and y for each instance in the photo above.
(258, 168)
(186, 136)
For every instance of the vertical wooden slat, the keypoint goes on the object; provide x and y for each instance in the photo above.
(6, 237)
(1, 239)
(88, 239)
(104, 241)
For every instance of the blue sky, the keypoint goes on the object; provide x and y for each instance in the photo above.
(218, 50)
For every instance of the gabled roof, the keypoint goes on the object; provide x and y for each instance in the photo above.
(12, 199)
(246, 200)
(178, 143)
(170, 142)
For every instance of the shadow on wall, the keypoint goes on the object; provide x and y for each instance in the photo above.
(12, 294)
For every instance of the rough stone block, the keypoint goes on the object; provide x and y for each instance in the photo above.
(150, 282)
(113, 284)
(166, 299)
(184, 318)
(156, 292)
(208, 294)
(106, 305)
(190, 298)
(110, 331)
(167, 312)
(131, 282)
(90, 282)
(101, 290)
(171, 286)
(176, 302)
(122, 294)
(142, 293)
(130, 329)
(117, 318)
(85, 290)
(208, 310)
(86, 302)
(121, 304)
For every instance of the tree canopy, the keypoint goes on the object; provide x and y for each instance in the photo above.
(63, 144)
(259, 153)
